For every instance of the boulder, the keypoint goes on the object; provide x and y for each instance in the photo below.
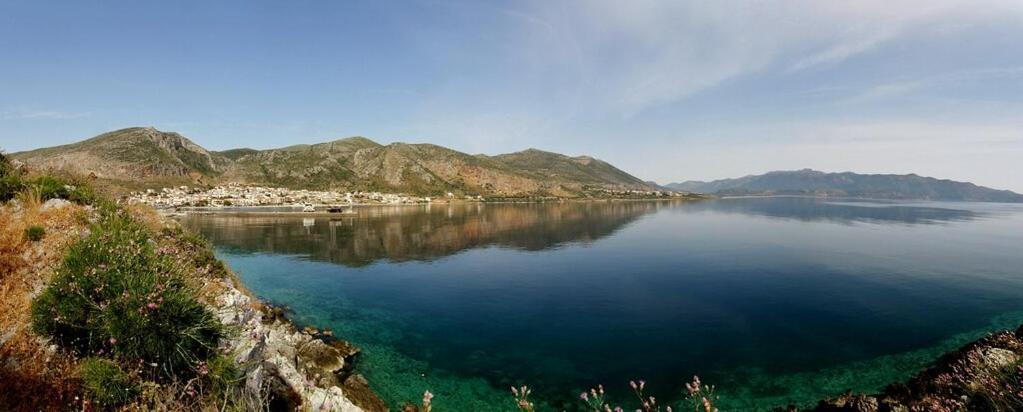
(55, 204)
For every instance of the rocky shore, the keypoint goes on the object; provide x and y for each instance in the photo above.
(985, 375)
(288, 369)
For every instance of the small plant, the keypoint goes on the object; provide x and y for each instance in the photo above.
(35, 233)
(522, 399)
(29, 198)
(701, 397)
(649, 403)
(221, 378)
(427, 401)
(106, 383)
(594, 400)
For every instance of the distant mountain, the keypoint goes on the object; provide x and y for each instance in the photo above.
(141, 157)
(876, 186)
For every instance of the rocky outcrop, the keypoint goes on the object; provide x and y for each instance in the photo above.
(985, 375)
(288, 369)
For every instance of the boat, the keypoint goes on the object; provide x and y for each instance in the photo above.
(341, 210)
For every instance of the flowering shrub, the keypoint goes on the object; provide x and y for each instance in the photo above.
(701, 398)
(427, 401)
(522, 398)
(114, 296)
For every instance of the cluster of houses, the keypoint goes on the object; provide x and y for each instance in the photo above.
(242, 195)
(633, 193)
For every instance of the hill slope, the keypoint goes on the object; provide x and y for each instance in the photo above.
(147, 155)
(847, 184)
(131, 154)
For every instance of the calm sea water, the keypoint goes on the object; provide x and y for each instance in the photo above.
(774, 300)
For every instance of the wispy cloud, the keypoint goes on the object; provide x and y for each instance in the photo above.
(904, 87)
(644, 54)
(843, 50)
(43, 115)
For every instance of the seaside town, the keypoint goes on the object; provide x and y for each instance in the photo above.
(237, 195)
(234, 195)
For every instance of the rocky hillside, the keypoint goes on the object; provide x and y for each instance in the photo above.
(876, 186)
(146, 155)
(131, 154)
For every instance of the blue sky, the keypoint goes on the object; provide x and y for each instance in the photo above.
(668, 90)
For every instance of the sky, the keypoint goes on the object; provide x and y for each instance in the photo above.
(666, 90)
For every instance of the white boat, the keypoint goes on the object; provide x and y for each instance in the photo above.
(308, 207)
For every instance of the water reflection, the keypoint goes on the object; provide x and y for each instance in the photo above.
(845, 211)
(405, 233)
(420, 233)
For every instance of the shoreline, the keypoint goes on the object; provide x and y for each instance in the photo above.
(247, 210)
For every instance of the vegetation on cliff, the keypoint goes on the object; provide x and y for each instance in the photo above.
(127, 320)
(104, 306)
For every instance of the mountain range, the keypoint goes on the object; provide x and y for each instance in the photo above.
(141, 157)
(809, 182)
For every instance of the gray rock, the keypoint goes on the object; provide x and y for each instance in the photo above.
(284, 368)
(55, 204)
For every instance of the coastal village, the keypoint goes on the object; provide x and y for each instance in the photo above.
(235, 195)
(238, 195)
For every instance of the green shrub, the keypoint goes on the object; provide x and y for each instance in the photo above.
(10, 180)
(50, 187)
(223, 380)
(35, 233)
(10, 185)
(114, 295)
(106, 383)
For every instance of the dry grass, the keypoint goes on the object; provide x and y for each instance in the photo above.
(28, 368)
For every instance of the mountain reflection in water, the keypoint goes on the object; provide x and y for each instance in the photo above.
(838, 210)
(403, 233)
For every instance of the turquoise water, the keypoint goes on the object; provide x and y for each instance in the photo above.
(774, 300)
